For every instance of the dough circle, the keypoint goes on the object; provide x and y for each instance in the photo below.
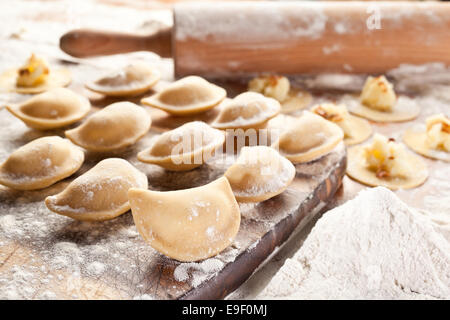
(357, 170)
(57, 78)
(405, 109)
(187, 225)
(416, 140)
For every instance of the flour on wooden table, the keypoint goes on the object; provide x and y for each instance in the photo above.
(372, 247)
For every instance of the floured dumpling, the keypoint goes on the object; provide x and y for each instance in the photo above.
(386, 163)
(187, 225)
(259, 173)
(118, 125)
(187, 96)
(185, 147)
(378, 102)
(308, 138)
(56, 108)
(247, 110)
(41, 163)
(133, 79)
(99, 194)
(355, 129)
(433, 141)
(34, 76)
(279, 88)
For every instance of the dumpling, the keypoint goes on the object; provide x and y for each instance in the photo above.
(386, 163)
(308, 138)
(355, 129)
(34, 76)
(378, 102)
(41, 163)
(187, 225)
(432, 141)
(185, 147)
(247, 110)
(56, 108)
(279, 88)
(187, 96)
(259, 173)
(117, 126)
(99, 194)
(133, 79)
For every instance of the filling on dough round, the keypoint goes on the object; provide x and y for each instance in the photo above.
(117, 126)
(259, 173)
(187, 225)
(187, 96)
(279, 88)
(307, 138)
(55, 108)
(247, 110)
(379, 103)
(133, 79)
(184, 148)
(41, 163)
(99, 194)
(386, 163)
(432, 141)
(34, 76)
(355, 129)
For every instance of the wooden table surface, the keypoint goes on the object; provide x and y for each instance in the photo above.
(35, 26)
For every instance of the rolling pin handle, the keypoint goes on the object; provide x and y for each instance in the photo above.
(84, 43)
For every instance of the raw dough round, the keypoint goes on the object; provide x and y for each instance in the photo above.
(416, 140)
(57, 78)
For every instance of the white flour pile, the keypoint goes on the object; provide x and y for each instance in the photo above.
(372, 247)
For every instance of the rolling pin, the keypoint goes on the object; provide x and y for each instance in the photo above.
(236, 39)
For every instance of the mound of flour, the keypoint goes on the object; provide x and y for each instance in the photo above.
(372, 247)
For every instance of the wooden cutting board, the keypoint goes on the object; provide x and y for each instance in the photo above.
(42, 253)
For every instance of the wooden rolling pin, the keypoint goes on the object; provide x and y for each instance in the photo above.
(241, 39)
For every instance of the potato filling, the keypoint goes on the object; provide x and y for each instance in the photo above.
(438, 132)
(387, 158)
(33, 73)
(378, 93)
(335, 113)
(272, 86)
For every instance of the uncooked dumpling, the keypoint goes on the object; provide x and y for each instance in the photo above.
(99, 194)
(118, 125)
(279, 88)
(133, 79)
(34, 76)
(355, 129)
(308, 137)
(187, 225)
(259, 173)
(185, 147)
(247, 110)
(386, 163)
(432, 141)
(187, 96)
(56, 108)
(378, 102)
(41, 163)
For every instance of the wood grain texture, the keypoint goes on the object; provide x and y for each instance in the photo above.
(304, 37)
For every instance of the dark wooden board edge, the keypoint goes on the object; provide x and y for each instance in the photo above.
(237, 272)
